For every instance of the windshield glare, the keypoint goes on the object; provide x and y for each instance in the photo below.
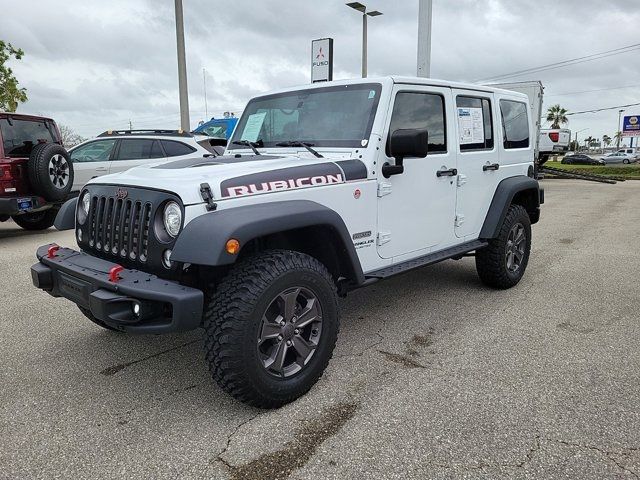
(337, 116)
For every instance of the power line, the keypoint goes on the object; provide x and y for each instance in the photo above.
(603, 109)
(591, 91)
(564, 63)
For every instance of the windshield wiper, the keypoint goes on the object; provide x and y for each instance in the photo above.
(295, 143)
(247, 143)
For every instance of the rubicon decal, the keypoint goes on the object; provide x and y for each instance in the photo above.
(328, 173)
(282, 185)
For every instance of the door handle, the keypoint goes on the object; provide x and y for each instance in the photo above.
(493, 166)
(101, 169)
(452, 172)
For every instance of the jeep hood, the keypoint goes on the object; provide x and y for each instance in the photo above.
(230, 176)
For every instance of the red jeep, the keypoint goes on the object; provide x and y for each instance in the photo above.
(36, 173)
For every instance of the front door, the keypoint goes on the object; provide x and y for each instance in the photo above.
(416, 208)
(91, 160)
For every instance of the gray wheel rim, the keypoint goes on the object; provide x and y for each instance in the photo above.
(59, 171)
(516, 243)
(290, 332)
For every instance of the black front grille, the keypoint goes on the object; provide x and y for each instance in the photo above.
(120, 227)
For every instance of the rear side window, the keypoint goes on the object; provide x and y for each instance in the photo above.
(138, 149)
(515, 124)
(475, 128)
(20, 136)
(420, 110)
(98, 151)
(174, 149)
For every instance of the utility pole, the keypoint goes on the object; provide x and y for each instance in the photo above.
(204, 81)
(618, 130)
(424, 38)
(182, 69)
(373, 13)
(130, 125)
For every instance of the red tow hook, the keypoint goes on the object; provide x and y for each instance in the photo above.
(113, 273)
(51, 251)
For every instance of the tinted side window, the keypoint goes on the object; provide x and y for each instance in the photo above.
(474, 115)
(135, 149)
(173, 149)
(515, 124)
(98, 151)
(420, 110)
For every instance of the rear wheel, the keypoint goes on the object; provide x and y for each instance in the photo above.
(503, 262)
(625, 161)
(36, 220)
(270, 327)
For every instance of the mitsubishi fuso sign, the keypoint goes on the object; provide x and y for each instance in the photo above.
(322, 60)
(631, 126)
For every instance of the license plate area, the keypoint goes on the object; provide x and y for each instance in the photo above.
(24, 204)
(74, 289)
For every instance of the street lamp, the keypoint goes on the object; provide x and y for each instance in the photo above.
(576, 140)
(618, 130)
(182, 69)
(373, 13)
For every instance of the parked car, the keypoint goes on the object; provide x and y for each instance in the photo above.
(580, 159)
(36, 173)
(619, 157)
(220, 128)
(323, 189)
(117, 151)
(633, 151)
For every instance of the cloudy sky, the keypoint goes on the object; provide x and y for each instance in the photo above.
(95, 65)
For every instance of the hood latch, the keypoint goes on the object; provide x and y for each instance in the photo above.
(207, 196)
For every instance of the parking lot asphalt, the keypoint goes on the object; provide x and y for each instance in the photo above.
(434, 375)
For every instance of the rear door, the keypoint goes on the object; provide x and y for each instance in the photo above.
(133, 152)
(91, 160)
(478, 161)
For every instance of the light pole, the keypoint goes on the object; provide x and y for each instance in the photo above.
(373, 13)
(424, 38)
(576, 140)
(182, 69)
(618, 130)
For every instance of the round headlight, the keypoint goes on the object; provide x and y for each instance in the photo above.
(83, 211)
(172, 218)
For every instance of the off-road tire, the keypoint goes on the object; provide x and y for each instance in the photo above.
(87, 313)
(233, 315)
(491, 261)
(36, 220)
(40, 171)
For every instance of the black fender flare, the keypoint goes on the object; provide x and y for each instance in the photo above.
(203, 240)
(503, 197)
(66, 217)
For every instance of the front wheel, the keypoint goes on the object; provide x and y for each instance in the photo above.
(36, 220)
(270, 327)
(625, 161)
(502, 263)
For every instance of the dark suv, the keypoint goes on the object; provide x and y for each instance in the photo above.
(36, 174)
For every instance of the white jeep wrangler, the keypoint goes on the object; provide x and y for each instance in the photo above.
(322, 189)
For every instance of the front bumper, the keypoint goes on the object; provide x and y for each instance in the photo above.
(165, 306)
(16, 205)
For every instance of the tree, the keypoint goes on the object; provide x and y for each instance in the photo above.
(69, 137)
(557, 116)
(588, 141)
(618, 138)
(10, 93)
(606, 139)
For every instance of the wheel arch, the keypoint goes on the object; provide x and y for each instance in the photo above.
(519, 190)
(300, 225)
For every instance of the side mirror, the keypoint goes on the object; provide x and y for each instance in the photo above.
(406, 142)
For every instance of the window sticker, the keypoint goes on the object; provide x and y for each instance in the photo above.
(372, 94)
(470, 125)
(253, 127)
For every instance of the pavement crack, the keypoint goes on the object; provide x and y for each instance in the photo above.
(404, 360)
(610, 455)
(295, 453)
(112, 370)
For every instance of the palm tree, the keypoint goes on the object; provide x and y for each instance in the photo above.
(618, 137)
(606, 139)
(588, 141)
(557, 115)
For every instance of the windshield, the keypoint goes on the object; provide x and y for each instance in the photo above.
(337, 116)
(20, 136)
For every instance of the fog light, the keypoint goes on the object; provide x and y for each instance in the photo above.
(166, 258)
(136, 309)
